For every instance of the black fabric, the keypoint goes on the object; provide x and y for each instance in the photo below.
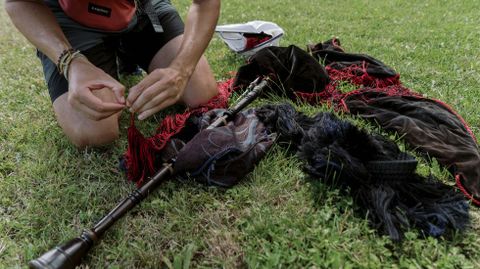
(339, 154)
(331, 54)
(291, 68)
(427, 125)
(222, 156)
(142, 43)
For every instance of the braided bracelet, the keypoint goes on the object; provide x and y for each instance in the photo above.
(65, 59)
(63, 54)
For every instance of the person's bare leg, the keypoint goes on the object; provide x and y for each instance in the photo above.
(82, 131)
(202, 85)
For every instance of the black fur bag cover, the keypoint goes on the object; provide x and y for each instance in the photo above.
(341, 155)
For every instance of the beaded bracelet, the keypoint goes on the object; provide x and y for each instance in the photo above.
(65, 59)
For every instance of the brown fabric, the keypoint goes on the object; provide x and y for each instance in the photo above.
(222, 156)
(429, 126)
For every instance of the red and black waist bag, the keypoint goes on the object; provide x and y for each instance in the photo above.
(108, 15)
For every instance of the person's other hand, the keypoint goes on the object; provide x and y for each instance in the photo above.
(160, 89)
(84, 80)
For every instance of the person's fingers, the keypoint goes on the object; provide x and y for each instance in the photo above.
(137, 90)
(119, 94)
(117, 88)
(149, 112)
(95, 115)
(88, 112)
(148, 100)
(88, 99)
(157, 90)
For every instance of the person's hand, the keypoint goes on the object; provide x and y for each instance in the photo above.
(160, 89)
(84, 80)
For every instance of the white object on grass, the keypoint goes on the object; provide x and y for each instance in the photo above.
(233, 35)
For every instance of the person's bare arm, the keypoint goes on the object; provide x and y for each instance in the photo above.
(199, 28)
(164, 87)
(38, 24)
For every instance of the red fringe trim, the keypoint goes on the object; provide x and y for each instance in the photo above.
(358, 76)
(459, 117)
(465, 192)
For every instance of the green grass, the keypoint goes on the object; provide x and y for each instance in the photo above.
(275, 218)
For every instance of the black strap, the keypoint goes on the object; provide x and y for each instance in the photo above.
(147, 7)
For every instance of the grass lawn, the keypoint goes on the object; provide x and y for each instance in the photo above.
(50, 191)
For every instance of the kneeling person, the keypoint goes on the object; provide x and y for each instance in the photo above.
(78, 43)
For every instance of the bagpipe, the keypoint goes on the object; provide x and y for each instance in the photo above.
(71, 253)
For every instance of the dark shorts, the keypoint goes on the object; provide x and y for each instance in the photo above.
(138, 44)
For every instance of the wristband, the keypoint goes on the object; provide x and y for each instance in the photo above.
(65, 59)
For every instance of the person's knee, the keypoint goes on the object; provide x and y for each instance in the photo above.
(83, 138)
(204, 94)
(201, 87)
(82, 131)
